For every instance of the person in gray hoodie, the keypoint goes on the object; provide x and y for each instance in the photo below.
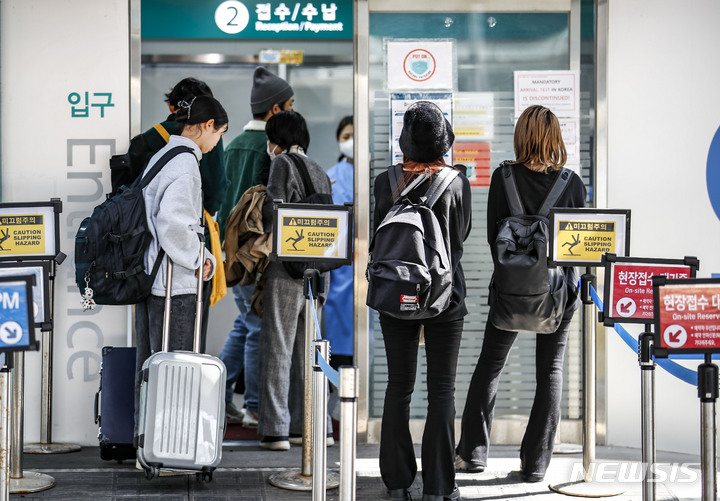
(174, 211)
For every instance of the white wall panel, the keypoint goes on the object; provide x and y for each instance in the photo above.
(50, 50)
(663, 111)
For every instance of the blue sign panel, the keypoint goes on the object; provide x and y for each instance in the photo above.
(246, 19)
(16, 325)
(713, 173)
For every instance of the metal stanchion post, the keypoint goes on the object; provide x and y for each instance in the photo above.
(588, 487)
(320, 348)
(588, 280)
(22, 481)
(46, 445)
(647, 390)
(4, 433)
(708, 393)
(348, 431)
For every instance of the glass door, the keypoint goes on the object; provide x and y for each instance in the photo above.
(476, 52)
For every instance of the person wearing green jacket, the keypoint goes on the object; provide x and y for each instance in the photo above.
(247, 164)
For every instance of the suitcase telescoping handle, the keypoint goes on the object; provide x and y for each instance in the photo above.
(198, 303)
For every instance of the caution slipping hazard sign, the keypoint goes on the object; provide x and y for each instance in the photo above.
(309, 236)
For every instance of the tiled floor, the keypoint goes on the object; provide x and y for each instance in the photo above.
(245, 469)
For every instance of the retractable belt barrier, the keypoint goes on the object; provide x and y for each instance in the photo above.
(345, 381)
(673, 368)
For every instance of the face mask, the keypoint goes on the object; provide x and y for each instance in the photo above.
(346, 148)
(270, 153)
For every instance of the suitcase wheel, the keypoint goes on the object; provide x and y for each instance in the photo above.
(151, 472)
(205, 475)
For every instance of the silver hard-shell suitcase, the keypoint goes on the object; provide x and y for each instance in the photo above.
(182, 404)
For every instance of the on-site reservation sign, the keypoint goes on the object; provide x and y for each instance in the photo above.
(687, 316)
(629, 285)
(583, 236)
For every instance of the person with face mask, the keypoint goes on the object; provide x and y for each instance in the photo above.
(339, 304)
(247, 163)
(281, 353)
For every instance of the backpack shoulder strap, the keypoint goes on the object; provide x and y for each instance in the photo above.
(440, 184)
(394, 175)
(304, 174)
(513, 197)
(162, 131)
(555, 191)
(173, 152)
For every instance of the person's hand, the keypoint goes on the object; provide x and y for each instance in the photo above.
(207, 269)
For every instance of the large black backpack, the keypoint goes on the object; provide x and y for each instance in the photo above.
(110, 244)
(526, 295)
(409, 269)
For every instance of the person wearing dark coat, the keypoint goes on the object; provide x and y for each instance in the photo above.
(540, 153)
(281, 352)
(426, 136)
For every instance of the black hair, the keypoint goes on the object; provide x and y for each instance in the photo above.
(288, 128)
(261, 116)
(344, 122)
(186, 89)
(348, 120)
(201, 109)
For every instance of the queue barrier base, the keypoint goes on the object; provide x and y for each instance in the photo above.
(31, 481)
(52, 448)
(294, 480)
(584, 489)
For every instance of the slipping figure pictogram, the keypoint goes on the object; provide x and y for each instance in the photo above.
(575, 241)
(298, 237)
(4, 235)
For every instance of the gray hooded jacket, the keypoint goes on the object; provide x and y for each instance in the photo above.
(173, 206)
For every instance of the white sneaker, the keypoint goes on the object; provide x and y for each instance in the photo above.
(275, 443)
(249, 418)
(299, 440)
(233, 413)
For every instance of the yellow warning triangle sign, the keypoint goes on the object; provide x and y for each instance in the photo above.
(292, 222)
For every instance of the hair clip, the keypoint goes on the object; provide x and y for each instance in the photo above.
(184, 104)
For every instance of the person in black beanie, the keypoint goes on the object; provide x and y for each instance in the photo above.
(426, 136)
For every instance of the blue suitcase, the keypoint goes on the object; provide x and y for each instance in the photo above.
(115, 404)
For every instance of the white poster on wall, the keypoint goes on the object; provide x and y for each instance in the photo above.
(80, 81)
(399, 102)
(420, 64)
(557, 90)
(570, 128)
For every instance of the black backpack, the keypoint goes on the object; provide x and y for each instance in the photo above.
(296, 269)
(127, 167)
(110, 244)
(409, 269)
(526, 295)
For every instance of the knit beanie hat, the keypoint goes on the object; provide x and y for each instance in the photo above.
(267, 90)
(426, 134)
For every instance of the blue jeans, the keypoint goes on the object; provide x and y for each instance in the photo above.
(240, 350)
